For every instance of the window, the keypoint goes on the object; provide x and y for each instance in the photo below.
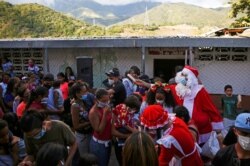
(206, 57)
(239, 57)
(222, 57)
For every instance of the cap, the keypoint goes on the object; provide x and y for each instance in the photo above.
(113, 72)
(189, 69)
(242, 122)
(48, 77)
(154, 117)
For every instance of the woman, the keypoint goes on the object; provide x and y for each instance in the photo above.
(100, 118)
(10, 94)
(139, 150)
(177, 145)
(80, 119)
(46, 155)
(69, 74)
(23, 93)
(36, 99)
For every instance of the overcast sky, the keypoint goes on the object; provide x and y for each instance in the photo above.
(203, 3)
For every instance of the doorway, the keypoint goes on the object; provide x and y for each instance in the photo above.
(84, 67)
(165, 68)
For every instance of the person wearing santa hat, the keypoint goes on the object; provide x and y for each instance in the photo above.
(198, 102)
(177, 146)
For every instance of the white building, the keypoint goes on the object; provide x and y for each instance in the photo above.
(220, 60)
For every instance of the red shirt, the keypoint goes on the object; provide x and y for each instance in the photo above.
(20, 109)
(65, 90)
(37, 106)
(106, 134)
(123, 117)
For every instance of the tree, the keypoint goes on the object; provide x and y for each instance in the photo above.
(240, 10)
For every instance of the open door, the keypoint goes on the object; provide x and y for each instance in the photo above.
(85, 69)
(165, 68)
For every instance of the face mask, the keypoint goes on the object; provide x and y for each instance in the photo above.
(40, 134)
(84, 97)
(44, 100)
(159, 101)
(244, 142)
(183, 81)
(102, 104)
(111, 81)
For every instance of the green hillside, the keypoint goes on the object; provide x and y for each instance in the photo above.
(33, 21)
(180, 13)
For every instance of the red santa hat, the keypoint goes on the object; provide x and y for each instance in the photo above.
(154, 117)
(189, 69)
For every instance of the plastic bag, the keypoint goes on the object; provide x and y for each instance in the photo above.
(211, 147)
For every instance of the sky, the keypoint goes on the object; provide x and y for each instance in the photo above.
(202, 3)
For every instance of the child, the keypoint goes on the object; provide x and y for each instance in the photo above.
(124, 121)
(229, 107)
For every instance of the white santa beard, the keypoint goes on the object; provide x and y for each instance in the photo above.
(182, 90)
(192, 82)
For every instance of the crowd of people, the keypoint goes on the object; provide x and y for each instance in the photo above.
(59, 120)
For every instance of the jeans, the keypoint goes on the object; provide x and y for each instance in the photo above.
(101, 151)
(83, 141)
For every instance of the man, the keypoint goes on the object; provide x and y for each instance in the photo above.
(128, 83)
(117, 89)
(237, 154)
(38, 131)
(196, 99)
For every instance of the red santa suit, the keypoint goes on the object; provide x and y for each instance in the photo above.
(178, 147)
(201, 108)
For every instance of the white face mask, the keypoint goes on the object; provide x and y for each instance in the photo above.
(159, 101)
(244, 142)
(111, 81)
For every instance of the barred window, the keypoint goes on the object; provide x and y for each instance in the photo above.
(206, 57)
(222, 57)
(239, 57)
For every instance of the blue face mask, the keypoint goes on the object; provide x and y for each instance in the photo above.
(84, 97)
(40, 134)
(183, 81)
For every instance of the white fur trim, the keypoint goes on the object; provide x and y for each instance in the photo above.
(188, 101)
(169, 140)
(188, 72)
(217, 125)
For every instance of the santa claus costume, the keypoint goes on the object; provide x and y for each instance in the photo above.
(196, 99)
(177, 146)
